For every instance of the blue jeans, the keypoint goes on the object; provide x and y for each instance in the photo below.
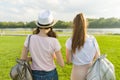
(45, 75)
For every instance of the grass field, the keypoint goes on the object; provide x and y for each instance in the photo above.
(11, 46)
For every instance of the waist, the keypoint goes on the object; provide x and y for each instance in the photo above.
(41, 72)
(43, 66)
(82, 66)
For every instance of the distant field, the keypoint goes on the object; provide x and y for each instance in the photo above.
(11, 46)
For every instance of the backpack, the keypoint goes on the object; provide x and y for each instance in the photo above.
(21, 71)
(102, 69)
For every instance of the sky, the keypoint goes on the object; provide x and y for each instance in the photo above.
(28, 10)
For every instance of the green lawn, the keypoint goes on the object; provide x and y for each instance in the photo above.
(11, 46)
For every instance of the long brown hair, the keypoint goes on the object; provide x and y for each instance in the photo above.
(79, 32)
(51, 33)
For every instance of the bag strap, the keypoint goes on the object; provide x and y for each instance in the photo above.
(28, 42)
(94, 44)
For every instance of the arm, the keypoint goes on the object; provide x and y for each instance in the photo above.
(97, 49)
(59, 58)
(96, 55)
(24, 54)
(68, 56)
(54, 56)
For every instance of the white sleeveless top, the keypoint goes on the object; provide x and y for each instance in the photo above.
(86, 54)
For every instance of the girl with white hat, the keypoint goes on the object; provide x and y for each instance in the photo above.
(43, 47)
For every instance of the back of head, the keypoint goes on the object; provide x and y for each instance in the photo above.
(45, 21)
(79, 32)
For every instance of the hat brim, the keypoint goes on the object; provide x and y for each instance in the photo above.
(46, 26)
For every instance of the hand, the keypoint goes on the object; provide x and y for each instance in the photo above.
(29, 58)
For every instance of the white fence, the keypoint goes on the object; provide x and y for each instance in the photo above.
(61, 32)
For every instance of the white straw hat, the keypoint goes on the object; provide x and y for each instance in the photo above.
(45, 19)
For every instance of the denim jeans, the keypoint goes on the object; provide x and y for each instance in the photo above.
(45, 75)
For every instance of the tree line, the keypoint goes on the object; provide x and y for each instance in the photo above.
(92, 23)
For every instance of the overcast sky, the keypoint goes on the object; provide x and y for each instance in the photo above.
(28, 10)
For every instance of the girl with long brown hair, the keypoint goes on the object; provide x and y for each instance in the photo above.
(43, 46)
(81, 48)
